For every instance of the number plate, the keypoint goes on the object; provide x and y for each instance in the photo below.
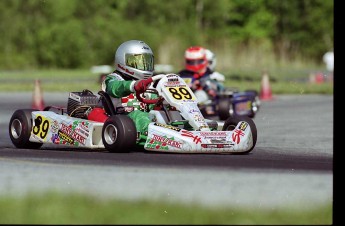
(180, 93)
(243, 107)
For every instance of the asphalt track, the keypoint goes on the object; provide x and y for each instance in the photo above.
(291, 165)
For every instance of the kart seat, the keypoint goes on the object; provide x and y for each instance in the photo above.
(107, 103)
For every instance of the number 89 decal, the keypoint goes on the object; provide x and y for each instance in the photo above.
(41, 127)
(180, 93)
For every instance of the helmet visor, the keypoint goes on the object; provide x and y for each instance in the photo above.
(195, 62)
(142, 61)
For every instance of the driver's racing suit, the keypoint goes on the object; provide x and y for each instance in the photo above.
(121, 88)
(202, 81)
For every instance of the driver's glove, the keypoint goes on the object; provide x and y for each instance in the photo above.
(212, 93)
(196, 85)
(141, 86)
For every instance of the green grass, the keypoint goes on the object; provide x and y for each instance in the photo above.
(77, 80)
(55, 208)
(51, 80)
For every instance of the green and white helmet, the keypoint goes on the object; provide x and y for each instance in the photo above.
(135, 59)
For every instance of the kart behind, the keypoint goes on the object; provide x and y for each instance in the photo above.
(228, 102)
(232, 102)
(177, 124)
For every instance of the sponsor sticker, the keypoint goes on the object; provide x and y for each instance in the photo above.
(162, 142)
(243, 126)
(217, 145)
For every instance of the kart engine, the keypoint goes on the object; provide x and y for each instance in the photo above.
(81, 103)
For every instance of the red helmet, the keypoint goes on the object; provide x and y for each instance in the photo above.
(196, 61)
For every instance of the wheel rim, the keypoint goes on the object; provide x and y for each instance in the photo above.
(230, 127)
(231, 110)
(16, 129)
(110, 134)
(254, 107)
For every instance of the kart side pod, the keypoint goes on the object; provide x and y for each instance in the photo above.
(167, 138)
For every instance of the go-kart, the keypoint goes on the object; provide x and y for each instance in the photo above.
(228, 102)
(177, 124)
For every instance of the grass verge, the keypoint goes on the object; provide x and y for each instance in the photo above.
(77, 80)
(55, 208)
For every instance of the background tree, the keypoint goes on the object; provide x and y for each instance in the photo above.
(82, 33)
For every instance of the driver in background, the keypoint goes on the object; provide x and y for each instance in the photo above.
(134, 66)
(198, 72)
(212, 62)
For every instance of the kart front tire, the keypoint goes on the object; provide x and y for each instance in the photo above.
(119, 134)
(231, 123)
(20, 127)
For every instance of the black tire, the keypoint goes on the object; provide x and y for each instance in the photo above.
(224, 106)
(119, 134)
(231, 123)
(20, 127)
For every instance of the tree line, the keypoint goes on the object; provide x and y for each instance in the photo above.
(81, 33)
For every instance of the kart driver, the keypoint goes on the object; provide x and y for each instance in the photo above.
(212, 62)
(134, 65)
(196, 69)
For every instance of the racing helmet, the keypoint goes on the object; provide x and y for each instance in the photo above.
(196, 61)
(135, 58)
(211, 58)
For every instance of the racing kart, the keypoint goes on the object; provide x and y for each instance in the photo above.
(177, 124)
(228, 102)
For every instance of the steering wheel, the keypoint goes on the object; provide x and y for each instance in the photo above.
(150, 101)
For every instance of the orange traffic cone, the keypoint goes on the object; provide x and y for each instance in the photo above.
(265, 92)
(37, 98)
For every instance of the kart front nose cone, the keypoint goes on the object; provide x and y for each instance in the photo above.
(16, 128)
(110, 134)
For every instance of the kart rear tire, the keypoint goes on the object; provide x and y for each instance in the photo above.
(119, 134)
(231, 123)
(20, 127)
(224, 106)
